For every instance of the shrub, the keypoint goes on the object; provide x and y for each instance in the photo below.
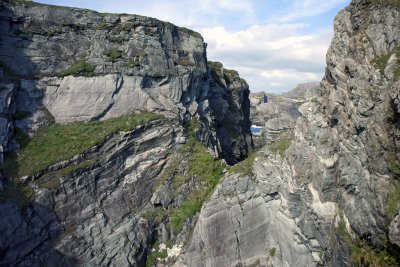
(393, 201)
(272, 252)
(80, 68)
(113, 54)
(185, 62)
(244, 167)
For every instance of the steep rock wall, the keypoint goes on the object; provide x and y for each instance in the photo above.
(335, 184)
(83, 65)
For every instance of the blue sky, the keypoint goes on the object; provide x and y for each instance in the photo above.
(274, 44)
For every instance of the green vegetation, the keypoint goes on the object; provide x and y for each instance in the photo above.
(142, 54)
(158, 214)
(102, 25)
(132, 63)
(156, 254)
(80, 68)
(204, 169)
(272, 252)
(216, 71)
(52, 180)
(57, 143)
(113, 54)
(393, 201)
(361, 253)
(22, 195)
(117, 39)
(47, 116)
(324, 141)
(185, 62)
(381, 63)
(392, 163)
(214, 65)
(190, 32)
(244, 167)
(231, 72)
(280, 145)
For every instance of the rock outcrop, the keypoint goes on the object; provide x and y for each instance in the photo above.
(332, 182)
(325, 193)
(123, 63)
(110, 204)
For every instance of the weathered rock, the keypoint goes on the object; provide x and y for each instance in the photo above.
(123, 63)
(333, 181)
(94, 215)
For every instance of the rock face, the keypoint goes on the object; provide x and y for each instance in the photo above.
(332, 182)
(123, 63)
(274, 117)
(63, 65)
(95, 210)
(324, 193)
(303, 90)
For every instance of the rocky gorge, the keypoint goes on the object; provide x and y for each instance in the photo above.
(131, 149)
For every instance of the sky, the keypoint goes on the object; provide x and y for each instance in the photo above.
(274, 44)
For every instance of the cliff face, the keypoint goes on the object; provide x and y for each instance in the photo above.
(327, 191)
(64, 68)
(81, 65)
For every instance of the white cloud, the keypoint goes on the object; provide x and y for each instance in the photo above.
(268, 42)
(272, 57)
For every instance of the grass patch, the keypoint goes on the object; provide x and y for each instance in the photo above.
(392, 163)
(117, 39)
(214, 64)
(113, 54)
(361, 253)
(132, 63)
(80, 68)
(204, 169)
(185, 62)
(280, 145)
(52, 180)
(57, 143)
(190, 32)
(323, 142)
(157, 253)
(272, 252)
(231, 73)
(393, 201)
(158, 214)
(381, 62)
(20, 194)
(244, 167)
